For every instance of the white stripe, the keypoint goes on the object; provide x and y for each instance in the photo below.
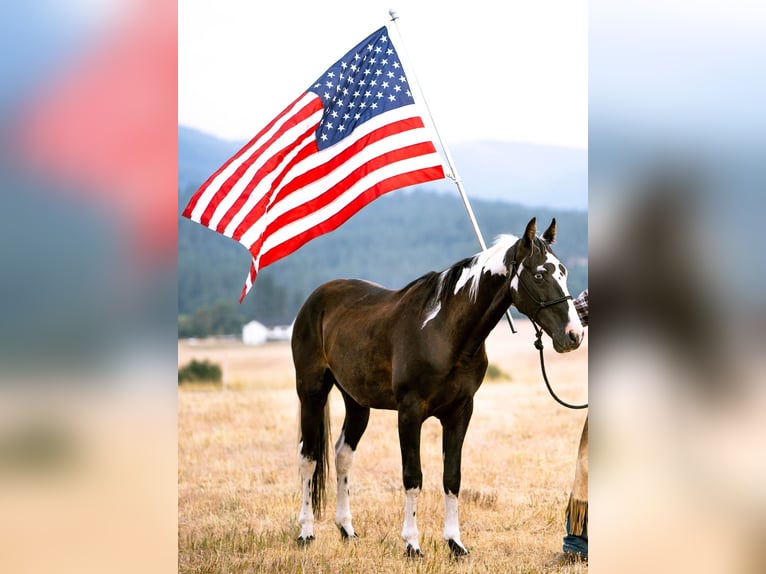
(295, 228)
(320, 186)
(214, 185)
(263, 187)
(409, 111)
(287, 138)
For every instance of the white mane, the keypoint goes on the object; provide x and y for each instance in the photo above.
(491, 260)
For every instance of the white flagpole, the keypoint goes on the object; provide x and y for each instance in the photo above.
(454, 176)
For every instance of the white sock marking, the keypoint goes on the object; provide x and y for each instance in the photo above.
(344, 457)
(306, 516)
(451, 522)
(410, 528)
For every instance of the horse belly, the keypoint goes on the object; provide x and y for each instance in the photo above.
(367, 385)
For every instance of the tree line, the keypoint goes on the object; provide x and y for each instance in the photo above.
(392, 241)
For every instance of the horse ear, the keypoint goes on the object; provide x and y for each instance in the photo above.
(530, 232)
(550, 233)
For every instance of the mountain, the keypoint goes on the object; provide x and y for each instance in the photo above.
(526, 174)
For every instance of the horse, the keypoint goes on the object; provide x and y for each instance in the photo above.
(420, 351)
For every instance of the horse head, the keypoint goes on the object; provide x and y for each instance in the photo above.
(539, 288)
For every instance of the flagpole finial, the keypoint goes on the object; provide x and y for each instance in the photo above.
(394, 14)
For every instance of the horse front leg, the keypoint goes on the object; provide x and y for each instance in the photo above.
(454, 428)
(410, 423)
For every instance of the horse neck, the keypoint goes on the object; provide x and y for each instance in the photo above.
(473, 320)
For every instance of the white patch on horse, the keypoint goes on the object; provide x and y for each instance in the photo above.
(451, 523)
(435, 304)
(344, 457)
(574, 325)
(410, 528)
(515, 278)
(491, 260)
(306, 516)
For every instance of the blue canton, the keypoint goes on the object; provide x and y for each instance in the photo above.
(367, 81)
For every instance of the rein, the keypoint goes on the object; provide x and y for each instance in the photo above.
(539, 334)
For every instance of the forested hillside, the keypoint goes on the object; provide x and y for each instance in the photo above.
(391, 241)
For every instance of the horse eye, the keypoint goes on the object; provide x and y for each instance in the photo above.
(539, 276)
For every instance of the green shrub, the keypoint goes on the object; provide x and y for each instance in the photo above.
(200, 371)
(495, 373)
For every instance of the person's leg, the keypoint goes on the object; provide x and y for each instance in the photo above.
(576, 544)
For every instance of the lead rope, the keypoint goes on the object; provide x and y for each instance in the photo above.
(539, 347)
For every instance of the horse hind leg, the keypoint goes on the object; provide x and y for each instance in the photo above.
(354, 426)
(313, 448)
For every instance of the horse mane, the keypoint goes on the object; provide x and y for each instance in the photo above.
(467, 271)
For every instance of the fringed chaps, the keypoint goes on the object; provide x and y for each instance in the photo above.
(577, 508)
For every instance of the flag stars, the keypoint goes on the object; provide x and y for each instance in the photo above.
(359, 87)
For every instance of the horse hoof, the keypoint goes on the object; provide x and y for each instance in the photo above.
(457, 549)
(304, 541)
(345, 535)
(412, 552)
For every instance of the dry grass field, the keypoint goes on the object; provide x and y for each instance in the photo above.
(238, 481)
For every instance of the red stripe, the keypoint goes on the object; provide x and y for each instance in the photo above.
(331, 194)
(195, 198)
(332, 223)
(335, 162)
(251, 276)
(259, 209)
(304, 209)
(344, 156)
(267, 168)
(299, 116)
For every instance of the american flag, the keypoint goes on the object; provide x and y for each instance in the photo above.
(355, 134)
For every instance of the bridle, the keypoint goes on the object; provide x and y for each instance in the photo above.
(539, 332)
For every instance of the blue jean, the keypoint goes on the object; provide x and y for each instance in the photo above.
(576, 544)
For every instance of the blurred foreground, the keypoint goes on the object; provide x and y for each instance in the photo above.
(677, 133)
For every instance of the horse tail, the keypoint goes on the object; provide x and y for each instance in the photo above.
(321, 451)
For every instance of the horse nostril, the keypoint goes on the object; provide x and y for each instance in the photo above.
(574, 337)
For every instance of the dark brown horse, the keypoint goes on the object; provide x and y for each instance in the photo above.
(419, 351)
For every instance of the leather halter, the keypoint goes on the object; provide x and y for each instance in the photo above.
(539, 332)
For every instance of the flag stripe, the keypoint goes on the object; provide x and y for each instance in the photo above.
(284, 137)
(266, 179)
(309, 191)
(358, 202)
(201, 197)
(310, 183)
(360, 187)
(307, 208)
(206, 193)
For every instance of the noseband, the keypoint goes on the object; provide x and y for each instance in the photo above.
(539, 331)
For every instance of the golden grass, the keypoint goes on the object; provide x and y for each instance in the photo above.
(238, 481)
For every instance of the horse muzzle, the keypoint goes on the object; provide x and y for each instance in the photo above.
(569, 340)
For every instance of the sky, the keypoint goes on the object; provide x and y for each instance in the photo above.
(506, 71)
